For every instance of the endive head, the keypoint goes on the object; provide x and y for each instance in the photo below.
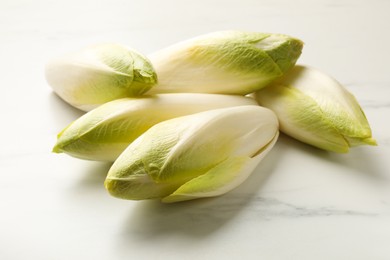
(100, 73)
(104, 133)
(200, 155)
(227, 62)
(314, 108)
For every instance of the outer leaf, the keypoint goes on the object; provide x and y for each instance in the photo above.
(186, 147)
(222, 178)
(300, 117)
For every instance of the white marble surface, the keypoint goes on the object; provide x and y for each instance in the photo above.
(300, 203)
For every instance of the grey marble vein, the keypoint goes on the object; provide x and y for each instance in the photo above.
(271, 207)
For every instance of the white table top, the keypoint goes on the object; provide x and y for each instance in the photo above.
(300, 203)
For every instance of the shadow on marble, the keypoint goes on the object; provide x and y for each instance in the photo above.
(153, 220)
(362, 160)
(93, 175)
(62, 113)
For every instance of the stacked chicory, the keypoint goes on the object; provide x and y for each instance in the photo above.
(179, 124)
